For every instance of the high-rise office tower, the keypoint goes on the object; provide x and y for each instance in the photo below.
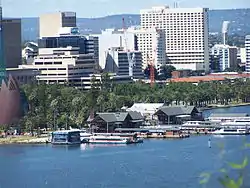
(152, 44)
(12, 42)
(51, 23)
(186, 35)
(247, 46)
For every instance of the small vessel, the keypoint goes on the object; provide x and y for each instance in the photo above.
(85, 136)
(230, 131)
(66, 137)
(103, 139)
(114, 139)
(236, 123)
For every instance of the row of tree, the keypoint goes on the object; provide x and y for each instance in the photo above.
(59, 106)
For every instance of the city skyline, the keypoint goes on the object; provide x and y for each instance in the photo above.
(105, 7)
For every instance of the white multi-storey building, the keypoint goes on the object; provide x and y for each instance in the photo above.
(247, 46)
(226, 54)
(152, 43)
(110, 38)
(62, 65)
(241, 56)
(117, 61)
(186, 35)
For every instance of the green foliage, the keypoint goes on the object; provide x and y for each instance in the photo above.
(73, 106)
(225, 180)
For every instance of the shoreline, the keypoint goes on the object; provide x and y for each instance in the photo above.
(223, 106)
(23, 140)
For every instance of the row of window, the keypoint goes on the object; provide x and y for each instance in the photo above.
(49, 63)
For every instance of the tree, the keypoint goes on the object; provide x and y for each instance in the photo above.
(147, 72)
(166, 71)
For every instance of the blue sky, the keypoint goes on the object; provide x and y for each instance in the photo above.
(97, 8)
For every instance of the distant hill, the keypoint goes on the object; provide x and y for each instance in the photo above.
(239, 19)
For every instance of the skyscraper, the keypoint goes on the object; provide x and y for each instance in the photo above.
(50, 24)
(151, 42)
(2, 60)
(186, 35)
(12, 46)
(247, 46)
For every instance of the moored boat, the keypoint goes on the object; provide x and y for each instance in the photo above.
(66, 137)
(114, 139)
(102, 139)
(231, 131)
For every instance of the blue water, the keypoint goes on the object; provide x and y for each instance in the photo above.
(155, 163)
(239, 109)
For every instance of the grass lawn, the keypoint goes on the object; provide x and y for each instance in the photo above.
(15, 139)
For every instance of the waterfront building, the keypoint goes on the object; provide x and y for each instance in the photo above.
(151, 43)
(118, 61)
(226, 56)
(111, 38)
(108, 122)
(147, 110)
(177, 114)
(186, 35)
(12, 42)
(247, 46)
(51, 23)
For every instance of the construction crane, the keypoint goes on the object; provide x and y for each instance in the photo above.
(130, 56)
(152, 72)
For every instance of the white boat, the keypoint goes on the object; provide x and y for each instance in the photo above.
(227, 131)
(195, 125)
(85, 136)
(67, 137)
(236, 123)
(103, 139)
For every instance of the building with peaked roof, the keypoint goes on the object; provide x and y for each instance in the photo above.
(146, 109)
(108, 122)
(177, 114)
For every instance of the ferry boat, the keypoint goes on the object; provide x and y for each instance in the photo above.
(200, 126)
(227, 131)
(84, 135)
(236, 123)
(66, 137)
(101, 139)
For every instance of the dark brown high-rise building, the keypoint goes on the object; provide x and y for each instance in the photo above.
(12, 44)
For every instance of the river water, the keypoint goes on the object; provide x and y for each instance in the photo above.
(155, 163)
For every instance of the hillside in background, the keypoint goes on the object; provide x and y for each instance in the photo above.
(239, 19)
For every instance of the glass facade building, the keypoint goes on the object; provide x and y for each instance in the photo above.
(63, 42)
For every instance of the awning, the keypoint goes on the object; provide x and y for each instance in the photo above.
(136, 121)
(183, 116)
